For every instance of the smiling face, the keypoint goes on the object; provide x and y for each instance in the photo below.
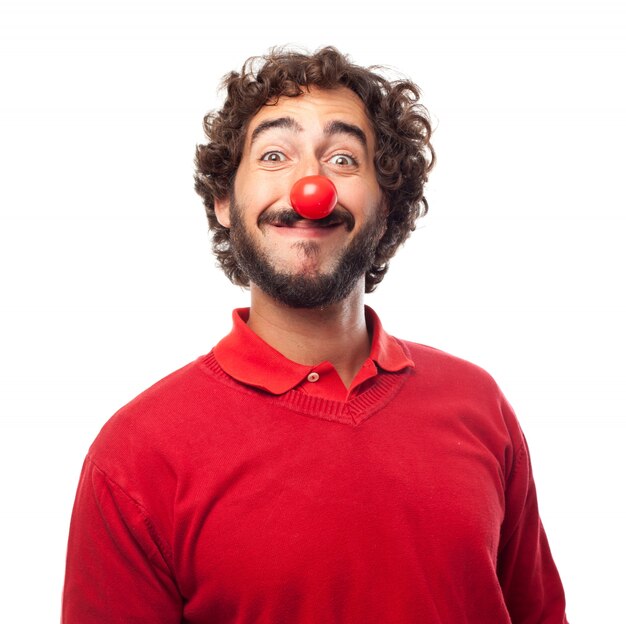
(301, 262)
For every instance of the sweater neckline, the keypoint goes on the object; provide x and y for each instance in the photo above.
(354, 411)
(246, 357)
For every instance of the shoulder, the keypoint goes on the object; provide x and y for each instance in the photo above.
(436, 366)
(462, 390)
(159, 398)
(155, 421)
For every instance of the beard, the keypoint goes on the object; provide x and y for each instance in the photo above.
(306, 289)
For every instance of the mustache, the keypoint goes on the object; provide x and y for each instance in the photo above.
(288, 216)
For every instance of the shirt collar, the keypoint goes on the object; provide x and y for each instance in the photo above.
(250, 360)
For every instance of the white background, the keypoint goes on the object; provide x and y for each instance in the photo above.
(108, 283)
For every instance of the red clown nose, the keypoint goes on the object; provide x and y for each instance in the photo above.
(313, 197)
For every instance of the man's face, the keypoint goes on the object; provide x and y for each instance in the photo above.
(301, 262)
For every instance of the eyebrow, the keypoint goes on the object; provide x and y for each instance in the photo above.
(281, 122)
(342, 127)
(331, 128)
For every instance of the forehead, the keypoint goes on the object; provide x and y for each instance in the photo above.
(315, 108)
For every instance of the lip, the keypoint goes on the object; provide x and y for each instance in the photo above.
(287, 217)
(306, 229)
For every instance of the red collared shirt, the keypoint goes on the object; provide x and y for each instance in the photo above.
(250, 360)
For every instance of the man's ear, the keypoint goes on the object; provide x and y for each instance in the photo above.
(222, 210)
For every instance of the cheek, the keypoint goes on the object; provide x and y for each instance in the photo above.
(257, 193)
(360, 197)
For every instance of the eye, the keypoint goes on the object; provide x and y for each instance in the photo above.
(343, 160)
(274, 157)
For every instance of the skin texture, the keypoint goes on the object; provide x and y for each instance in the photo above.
(318, 133)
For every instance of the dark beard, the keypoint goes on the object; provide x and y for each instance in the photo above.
(301, 290)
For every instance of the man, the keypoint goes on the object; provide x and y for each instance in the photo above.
(311, 468)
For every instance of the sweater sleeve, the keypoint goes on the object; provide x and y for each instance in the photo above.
(528, 576)
(118, 568)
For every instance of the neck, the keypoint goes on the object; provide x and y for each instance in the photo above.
(336, 334)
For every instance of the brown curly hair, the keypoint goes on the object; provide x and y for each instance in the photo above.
(403, 154)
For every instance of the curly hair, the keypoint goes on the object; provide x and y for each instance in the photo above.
(403, 154)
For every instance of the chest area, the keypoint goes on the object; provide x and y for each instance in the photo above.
(286, 504)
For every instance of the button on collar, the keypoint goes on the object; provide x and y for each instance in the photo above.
(313, 377)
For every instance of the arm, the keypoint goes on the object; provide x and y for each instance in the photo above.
(119, 570)
(530, 582)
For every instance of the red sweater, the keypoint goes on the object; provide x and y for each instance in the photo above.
(209, 501)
